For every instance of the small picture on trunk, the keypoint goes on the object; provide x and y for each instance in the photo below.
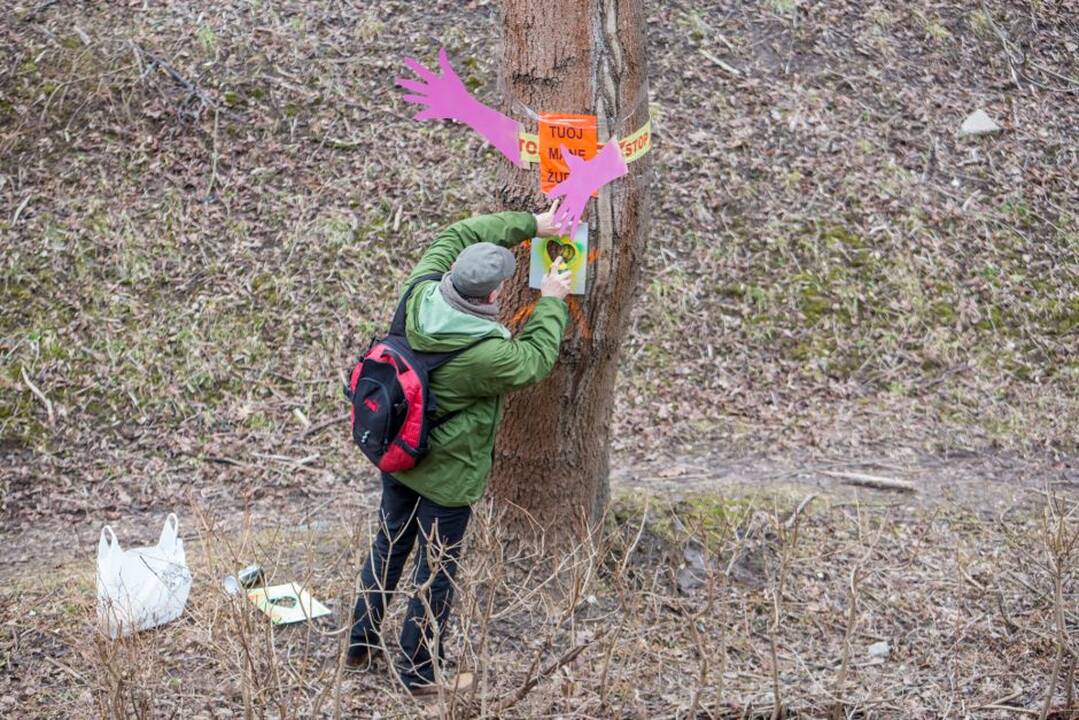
(574, 254)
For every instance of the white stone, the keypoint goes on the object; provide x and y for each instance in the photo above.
(978, 123)
(880, 649)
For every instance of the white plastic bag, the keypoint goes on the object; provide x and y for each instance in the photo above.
(141, 588)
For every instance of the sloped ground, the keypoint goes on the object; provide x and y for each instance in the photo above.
(205, 209)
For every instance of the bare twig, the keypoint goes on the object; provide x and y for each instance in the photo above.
(194, 92)
(39, 395)
(876, 482)
(787, 539)
(1012, 709)
(42, 7)
(1007, 48)
(544, 672)
(212, 187)
(18, 210)
(1060, 542)
(1069, 688)
(319, 427)
(722, 65)
(798, 510)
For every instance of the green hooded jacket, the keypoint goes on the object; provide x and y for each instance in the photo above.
(454, 472)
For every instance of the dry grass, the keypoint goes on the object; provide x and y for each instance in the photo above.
(708, 609)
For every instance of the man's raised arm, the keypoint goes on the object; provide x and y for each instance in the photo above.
(505, 228)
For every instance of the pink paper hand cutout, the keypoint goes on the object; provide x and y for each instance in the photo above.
(585, 177)
(447, 98)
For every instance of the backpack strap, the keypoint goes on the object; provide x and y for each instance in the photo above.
(437, 360)
(432, 361)
(443, 419)
(397, 326)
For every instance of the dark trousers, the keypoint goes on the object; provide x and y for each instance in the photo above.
(405, 515)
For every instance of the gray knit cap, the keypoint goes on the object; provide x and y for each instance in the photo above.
(480, 268)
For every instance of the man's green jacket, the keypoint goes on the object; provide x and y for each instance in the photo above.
(454, 472)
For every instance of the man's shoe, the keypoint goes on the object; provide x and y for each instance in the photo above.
(360, 660)
(457, 684)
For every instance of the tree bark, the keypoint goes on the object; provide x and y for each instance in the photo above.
(587, 56)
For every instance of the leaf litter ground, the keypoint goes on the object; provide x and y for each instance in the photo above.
(205, 211)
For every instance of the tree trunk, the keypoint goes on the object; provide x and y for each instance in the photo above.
(586, 56)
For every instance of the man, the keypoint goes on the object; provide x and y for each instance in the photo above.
(428, 505)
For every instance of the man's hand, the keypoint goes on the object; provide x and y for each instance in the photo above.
(556, 282)
(545, 224)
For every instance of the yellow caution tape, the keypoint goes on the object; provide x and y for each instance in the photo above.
(529, 144)
(632, 147)
(638, 143)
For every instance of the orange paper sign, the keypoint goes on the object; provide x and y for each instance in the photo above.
(577, 132)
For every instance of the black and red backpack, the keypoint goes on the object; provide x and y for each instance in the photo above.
(392, 405)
